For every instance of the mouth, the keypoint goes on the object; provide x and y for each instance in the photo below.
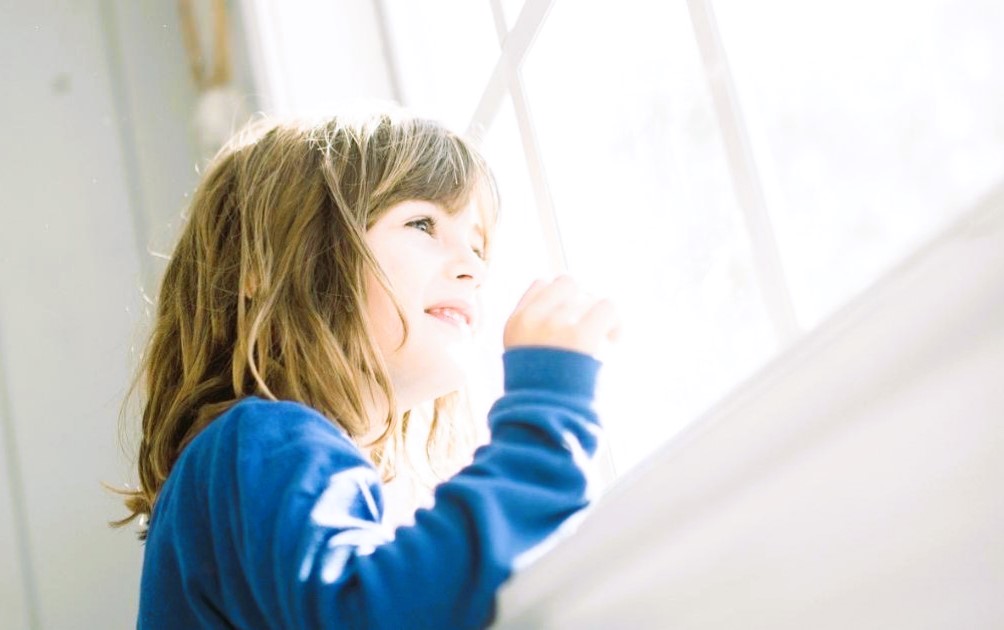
(456, 316)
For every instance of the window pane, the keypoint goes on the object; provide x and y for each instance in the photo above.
(511, 9)
(646, 210)
(875, 123)
(443, 66)
(518, 254)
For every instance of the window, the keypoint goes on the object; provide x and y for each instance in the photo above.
(729, 172)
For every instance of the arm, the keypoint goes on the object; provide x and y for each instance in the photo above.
(331, 564)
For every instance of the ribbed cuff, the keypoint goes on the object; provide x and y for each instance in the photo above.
(553, 369)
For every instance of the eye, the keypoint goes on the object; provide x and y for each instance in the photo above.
(479, 252)
(424, 224)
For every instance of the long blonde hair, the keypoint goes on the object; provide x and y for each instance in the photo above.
(264, 293)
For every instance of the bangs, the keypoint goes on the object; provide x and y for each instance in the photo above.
(466, 179)
(427, 162)
(449, 172)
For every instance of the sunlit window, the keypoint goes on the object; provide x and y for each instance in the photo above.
(731, 173)
(877, 122)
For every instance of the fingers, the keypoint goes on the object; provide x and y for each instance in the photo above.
(559, 293)
(561, 314)
(531, 293)
(601, 321)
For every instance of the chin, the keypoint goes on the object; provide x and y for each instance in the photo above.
(429, 380)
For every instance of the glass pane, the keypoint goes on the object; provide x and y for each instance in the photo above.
(646, 210)
(511, 9)
(875, 123)
(519, 254)
(442, 66)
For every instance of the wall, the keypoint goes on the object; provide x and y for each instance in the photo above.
(97, 163)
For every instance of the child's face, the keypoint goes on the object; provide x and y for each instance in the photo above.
(432, 260)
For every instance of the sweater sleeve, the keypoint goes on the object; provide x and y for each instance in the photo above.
(307, 515)
(445, 570)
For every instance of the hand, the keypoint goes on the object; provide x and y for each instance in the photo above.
(559, 314)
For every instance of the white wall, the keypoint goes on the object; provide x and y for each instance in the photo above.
(96, 163)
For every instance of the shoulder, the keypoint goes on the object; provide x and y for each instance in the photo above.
(262, 441)
(256, 423)
(259, 450)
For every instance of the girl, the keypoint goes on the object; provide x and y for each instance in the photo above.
(326, 284)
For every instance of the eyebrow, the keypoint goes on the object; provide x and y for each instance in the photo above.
(478, 228)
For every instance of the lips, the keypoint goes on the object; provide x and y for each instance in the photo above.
(456, 312)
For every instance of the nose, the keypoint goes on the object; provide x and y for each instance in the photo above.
(465, 264)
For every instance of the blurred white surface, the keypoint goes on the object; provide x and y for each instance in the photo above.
(855, 483)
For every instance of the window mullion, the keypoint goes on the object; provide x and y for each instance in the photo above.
(515, 46)
(745, 177)
(535, 165)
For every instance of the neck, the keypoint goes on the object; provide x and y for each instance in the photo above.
(375, 408)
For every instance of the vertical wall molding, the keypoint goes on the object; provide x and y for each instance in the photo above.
(264, 57)
(19, 517)
(389, 53)
(127, 144)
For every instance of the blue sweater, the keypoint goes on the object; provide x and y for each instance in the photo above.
(271, 518)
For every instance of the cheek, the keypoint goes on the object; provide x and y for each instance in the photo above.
(383, 316)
